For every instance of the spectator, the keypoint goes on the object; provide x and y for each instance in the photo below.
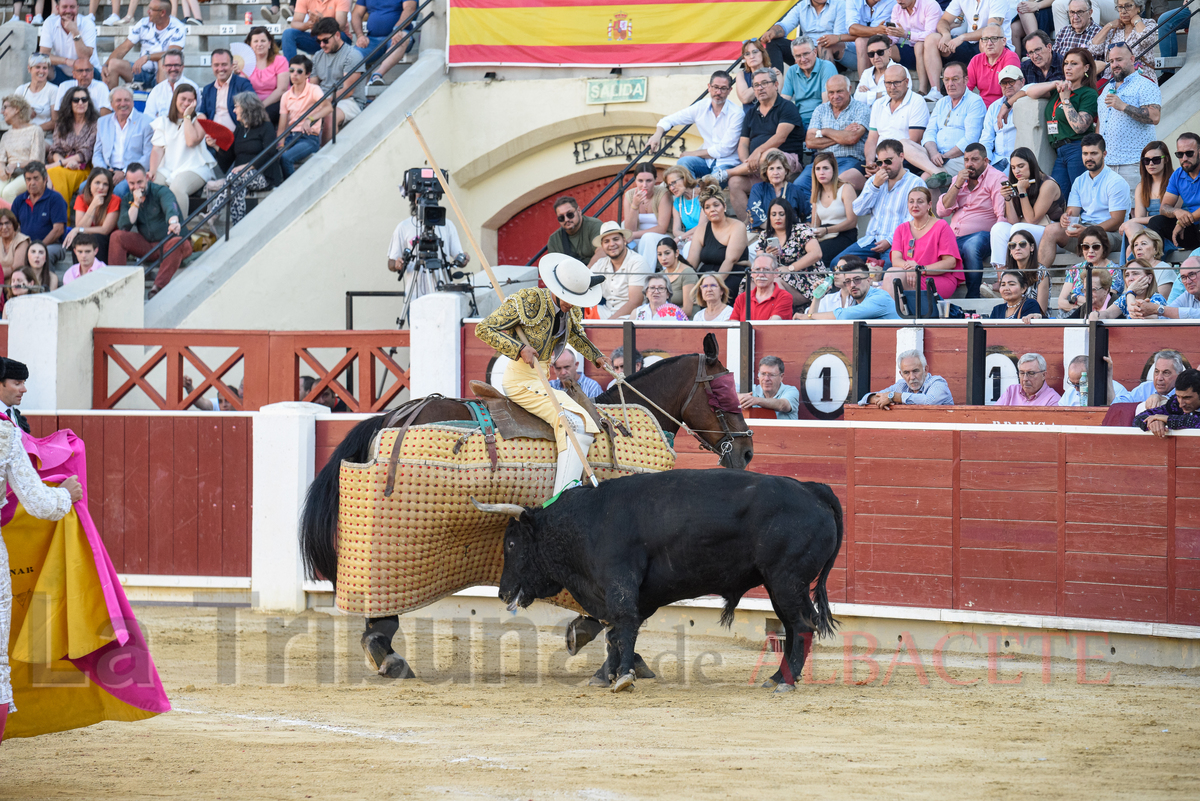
(839, 295)
(404, 237)
(1041, 64)
(191, 12)
(839, 128)
(221, 403)
(576, 232)
(1094, 244)
(21, 283)
(773, 169)
(258, 135)
(272, 13)
(976, 203)
(1071, 115)
(902, 116)
(865, 19)
(1033, 16)
(912, 22)
(1079, 30)
(23, 143)
(823, 21)
(1102, 295)
(885, 196)
(647, 207)
(916, 387)
(122, 138)
(1129, 110)
(715, 120)
(1139, 286)
(834, 220)
(86, 250)
(983, 73)
(1148, 245)
(721, 239)
(1031, 201)
(1035, 278)
(1000, 137)
(804, 81)
(149, 216)
(299, 104)
(773, 123)
(618, 361)
(326, 397)
(1031, 388)
(97, 209)
(754, 58)
(953, 41)
(925, 241)
(794, 245)
(13, 243)
(331, 64)
(1175, 221)
(157, 33)
(1098, 198)
(385, 20)
(658, 305)
(870, 83)
(269, 75)
(680, 275)
(158, 104)
(69, 159)
(216, 104)
(178, 158)
(1074, 391)
(37, 259)
(955, 122)
(685, 204)
(1128, 27)
(65, 37)
(41, 212)
(1155, 170)
(1184, 307)
(1016, 305)
(1180, 412)
(770, 392)
(624, 270)
(39, 93)
(84, 79)
(1168, 365)
(302, 33)
(567, 366)
(870, 302)
(765, 298)
(711, 296)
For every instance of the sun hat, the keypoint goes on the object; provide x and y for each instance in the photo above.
(611, 227)
(570, 279)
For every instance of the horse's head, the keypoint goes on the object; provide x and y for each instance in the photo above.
(711, 409)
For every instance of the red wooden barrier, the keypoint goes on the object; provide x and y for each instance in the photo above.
(3, 339)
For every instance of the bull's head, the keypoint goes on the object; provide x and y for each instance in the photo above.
(523, 580)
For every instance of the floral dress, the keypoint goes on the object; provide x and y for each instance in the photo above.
(1078, 275)
(1123, 300)
(803, 281)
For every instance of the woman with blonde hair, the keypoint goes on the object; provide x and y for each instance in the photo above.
(24, 142)
(1148, 245)
(711, 297)
(1139, 285)
(754, 57)
(647, 211)
(833, 218)
(39, 93)
(685, 205)
(722, 239)
(1155, 167)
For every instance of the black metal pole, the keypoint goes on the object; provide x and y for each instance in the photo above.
(976, 362)
(1098, 378)
(862, 359)
(747, 356)
(1087, 295)
(629, 346)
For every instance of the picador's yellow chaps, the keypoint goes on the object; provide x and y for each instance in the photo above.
(426, 541)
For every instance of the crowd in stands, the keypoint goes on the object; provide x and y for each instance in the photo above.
(81, 168)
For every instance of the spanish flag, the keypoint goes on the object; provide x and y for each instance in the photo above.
(76, 652)
(594, 33)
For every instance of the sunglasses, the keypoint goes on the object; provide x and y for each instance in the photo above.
(884, 162)
(570, 215)
(1185, 154)
(1018, 244)
(860, 280)
(876, 53)
(1091, 247)
(324, 41)
(1152, 159)
(79, 100)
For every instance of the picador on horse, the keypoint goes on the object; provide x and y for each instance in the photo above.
(389, 520)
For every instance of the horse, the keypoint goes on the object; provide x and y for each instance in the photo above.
(672, 386)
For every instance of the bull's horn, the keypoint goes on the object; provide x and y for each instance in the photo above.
(510, 509)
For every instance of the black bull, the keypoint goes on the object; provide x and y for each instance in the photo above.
(634, 544)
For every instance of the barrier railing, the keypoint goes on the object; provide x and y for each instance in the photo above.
(271, 363)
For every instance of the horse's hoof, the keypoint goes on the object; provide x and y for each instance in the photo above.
(768, 684)
(377, 649)
(641, 669)
(598, 681)
(581, 631)
(623, 683)
(784, 688)
(394, 667)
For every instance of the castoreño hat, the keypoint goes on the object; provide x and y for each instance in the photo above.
(11, 368)
(612, 227)
(1010, 73)
(570, 279)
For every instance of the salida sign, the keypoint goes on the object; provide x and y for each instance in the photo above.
(616, 90)
(625, 146)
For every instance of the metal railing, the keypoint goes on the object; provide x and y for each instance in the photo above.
(238, 183)
(1152, 39)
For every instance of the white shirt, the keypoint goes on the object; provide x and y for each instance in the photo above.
(152, 40)
(177, 156)
(41, 102)
(406, 234)
(96, 89)
(977, 13)
(159, 101)
(122, 133)
(869, 90)
(912, 113)
(633, 272)
(720, 133)
(61, 43)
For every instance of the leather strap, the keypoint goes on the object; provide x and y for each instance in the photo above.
(409, 417)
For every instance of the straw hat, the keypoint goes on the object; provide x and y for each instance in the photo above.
(611, 227)
(570, 279)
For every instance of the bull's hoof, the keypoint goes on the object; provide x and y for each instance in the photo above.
(623, 683)
(641, 669)
(600, 678)
(377, 648)
(394, 667)
(785, 688)
(581, 631)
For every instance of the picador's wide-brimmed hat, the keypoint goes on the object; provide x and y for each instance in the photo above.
(611, 227)
(570, 279)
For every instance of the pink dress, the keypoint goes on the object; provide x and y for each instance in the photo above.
(937, 242)
(266, 81)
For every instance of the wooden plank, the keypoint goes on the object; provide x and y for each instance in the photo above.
(1060, 517)
(1172, 564)
(926, 502)
(136, 485)
(1115, 508)
(1115, 602)
(1029, 506)
(1092, 449)
(91, 431)
(945, 350)
(1005, 446)
(849, 507)
(956, 518)
(1003, 476)
(185, 468)
(1142, 479)
(1131, 540)
(826, 442)
(209, 540)
(904, 445)
(114, 490)
(919, 559)
(1187, 574)
(161, 494)
(802, 468)
(1009, 534)
(903, 530)
(1133, 571)
(235, 496)
(1186, 611)
(1026, 417)
(900, 471)
(902, 589)
(1187, 481)
(837, 585)
(1008, 564)
(1187, 452)
(1006, 595)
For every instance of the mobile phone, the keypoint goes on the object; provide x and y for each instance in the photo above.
(772, 242)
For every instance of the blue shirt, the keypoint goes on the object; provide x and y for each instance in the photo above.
(831, 19)
(1072, 397)
(859, 13)
(589, 386)
(806, 92)
(999, 143)
(1098, 196)
(382, 16)
(761, 195)
(1139, 393)
(877, 305)
(934, 392)
(1186, 188)
(37, 220)
(1124, 137)
(953, 126)
(788, 393)
(888, 207)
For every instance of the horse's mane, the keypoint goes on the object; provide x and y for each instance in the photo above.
(644, 373)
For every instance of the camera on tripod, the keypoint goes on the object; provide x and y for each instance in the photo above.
(427, 253)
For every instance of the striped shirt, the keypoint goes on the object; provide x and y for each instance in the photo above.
(888, 206)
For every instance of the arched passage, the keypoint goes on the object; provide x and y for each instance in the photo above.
(527, 231)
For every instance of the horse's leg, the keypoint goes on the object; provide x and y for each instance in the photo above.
(377, 645)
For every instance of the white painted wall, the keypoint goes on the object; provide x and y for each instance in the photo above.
(435, 347)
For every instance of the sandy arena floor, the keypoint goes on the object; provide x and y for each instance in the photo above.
(308, 722)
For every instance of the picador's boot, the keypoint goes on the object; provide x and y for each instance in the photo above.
(570, 467)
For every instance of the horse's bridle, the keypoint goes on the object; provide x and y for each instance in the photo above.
(725, 445)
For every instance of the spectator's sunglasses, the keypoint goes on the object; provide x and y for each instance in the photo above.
(80, 99)
(858, 279)
(1152, 159)
(884, 162)
(1185, 154)
(1017, 243)
(877, 53)
(324, 41)
(1092, 246)
(570, 215)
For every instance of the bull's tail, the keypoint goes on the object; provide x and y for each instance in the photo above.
(318, 520)
(824, 625)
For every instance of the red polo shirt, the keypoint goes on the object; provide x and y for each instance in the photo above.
(982, 76)
(779, 302)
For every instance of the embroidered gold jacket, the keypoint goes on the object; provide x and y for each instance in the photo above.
(533, 310)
